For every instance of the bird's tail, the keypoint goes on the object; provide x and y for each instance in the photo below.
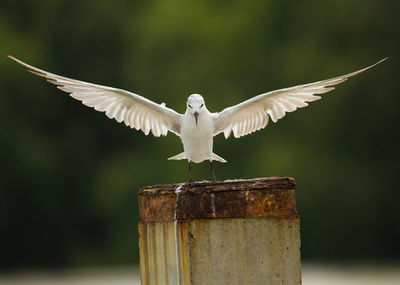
(217, 158)
(178, 156)
(182, 155)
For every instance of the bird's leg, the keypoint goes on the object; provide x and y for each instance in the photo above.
(190, 172)
(212, 171)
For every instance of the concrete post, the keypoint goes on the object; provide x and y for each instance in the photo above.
(228, 232)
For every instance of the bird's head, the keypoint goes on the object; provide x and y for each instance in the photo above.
(195, 105)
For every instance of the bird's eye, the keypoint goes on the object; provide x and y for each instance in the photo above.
(189, 106)
(201, 105)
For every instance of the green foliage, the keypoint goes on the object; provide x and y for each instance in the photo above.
(69, 176)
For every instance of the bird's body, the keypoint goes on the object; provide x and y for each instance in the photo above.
(197, 132)
(197, 139)
(197, 126)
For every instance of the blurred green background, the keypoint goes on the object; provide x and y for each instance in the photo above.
(69, 176)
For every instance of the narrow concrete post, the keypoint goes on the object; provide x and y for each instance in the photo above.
(227, 232)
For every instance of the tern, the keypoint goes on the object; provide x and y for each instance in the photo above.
(197, 126)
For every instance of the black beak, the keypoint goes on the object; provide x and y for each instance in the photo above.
(196, 115)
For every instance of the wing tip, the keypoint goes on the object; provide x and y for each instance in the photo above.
(382, 60)
(14, 59)
(27, 66)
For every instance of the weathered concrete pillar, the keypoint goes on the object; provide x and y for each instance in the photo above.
(229, 232)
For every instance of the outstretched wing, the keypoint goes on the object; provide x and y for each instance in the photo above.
(134, 110)
(253, 114)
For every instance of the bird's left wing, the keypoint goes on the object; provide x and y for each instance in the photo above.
(253, 114)
(134, 110)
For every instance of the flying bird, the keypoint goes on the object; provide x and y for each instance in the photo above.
(197, 126)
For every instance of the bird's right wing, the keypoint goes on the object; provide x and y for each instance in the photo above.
(253, 114)
(134, 110)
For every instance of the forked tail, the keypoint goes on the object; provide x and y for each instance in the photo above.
(183, 156)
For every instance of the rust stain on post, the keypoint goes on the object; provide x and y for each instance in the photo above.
(243, 198)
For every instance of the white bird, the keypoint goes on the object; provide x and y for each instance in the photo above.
(197, 126)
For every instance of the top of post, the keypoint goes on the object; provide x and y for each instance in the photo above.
(259, 197)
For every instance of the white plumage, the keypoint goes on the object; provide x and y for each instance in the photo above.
(197, 126)
(253, 114)
(123, 106)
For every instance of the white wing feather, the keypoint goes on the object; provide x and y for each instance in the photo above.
(253, 114)
(134, 110)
